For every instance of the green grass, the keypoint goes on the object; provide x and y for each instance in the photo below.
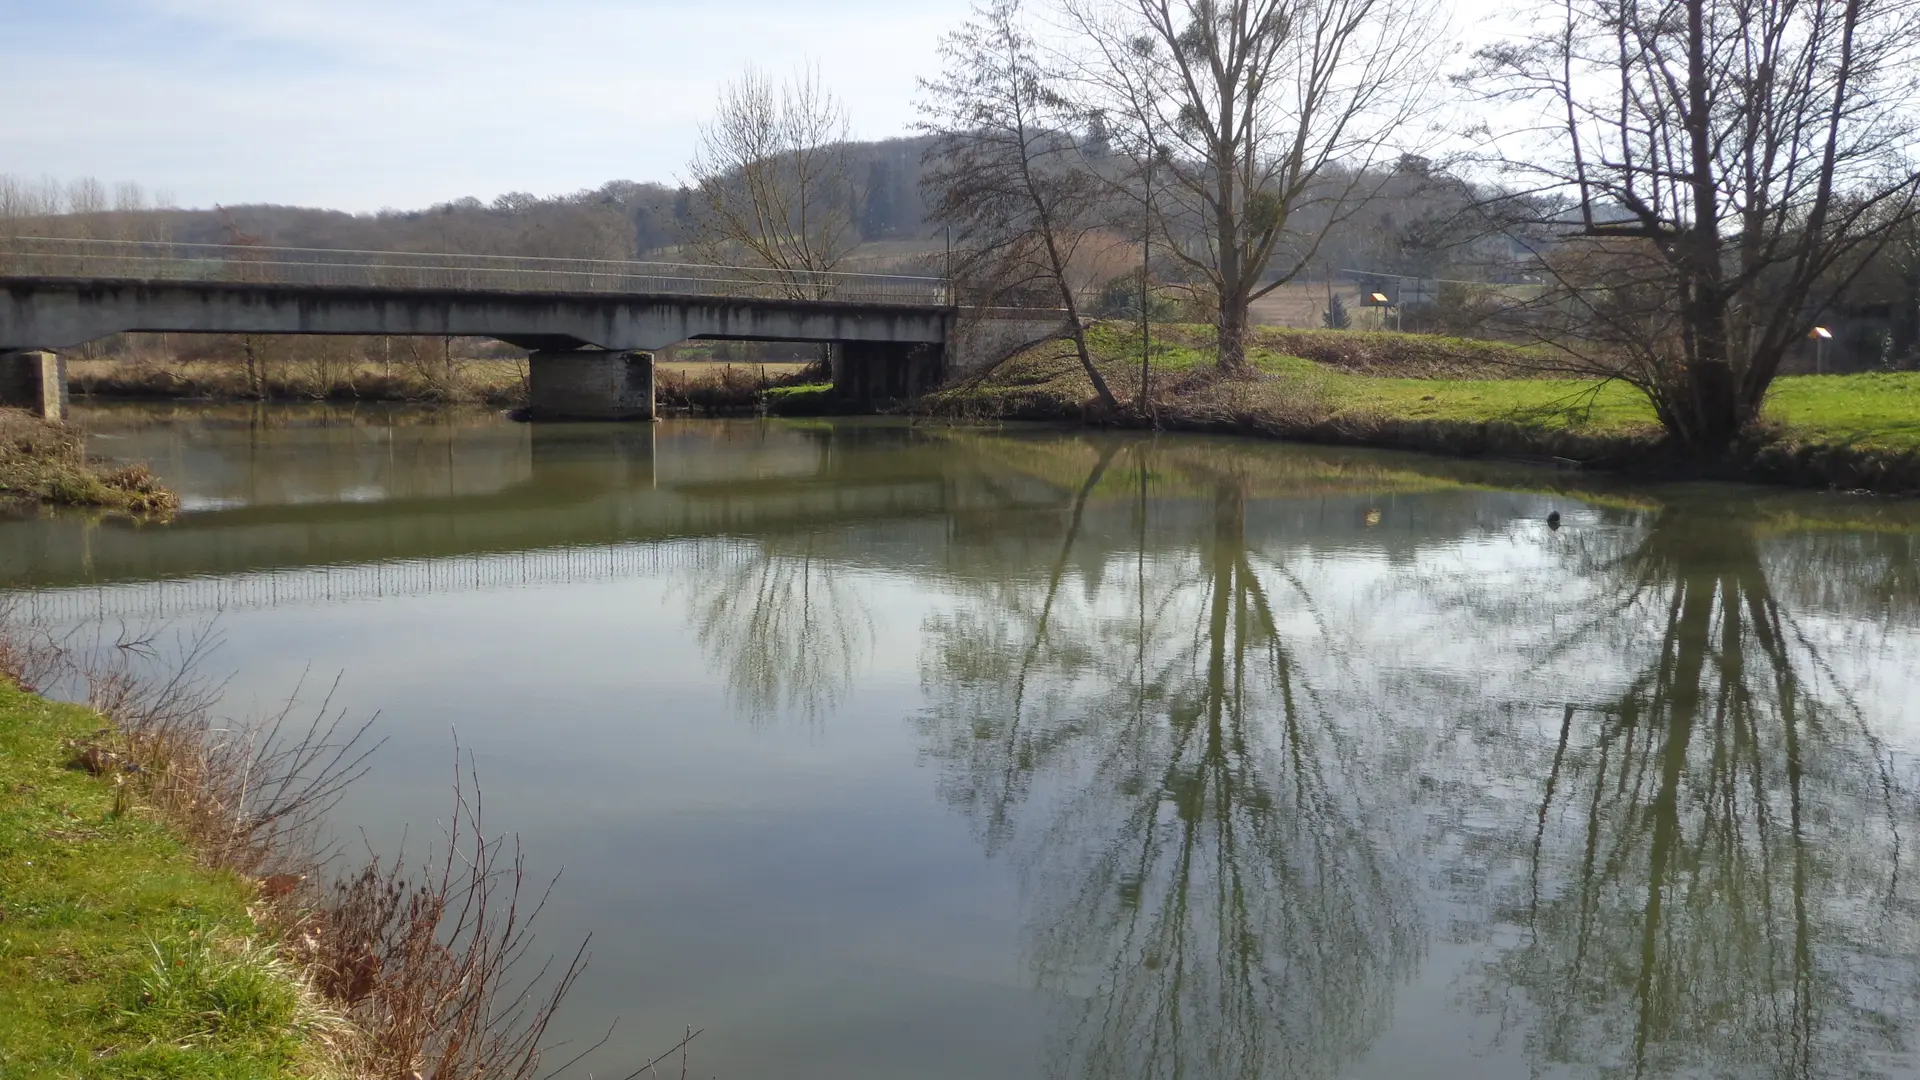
(1547, 403)
(119, 956)
(802, 399)
(1354, 374)
(1879, 410)
(1874, 411)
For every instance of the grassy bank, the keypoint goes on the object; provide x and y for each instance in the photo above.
(170, 908)
(705, 387)
(120, 955)
(46, 463)
(1454, 396)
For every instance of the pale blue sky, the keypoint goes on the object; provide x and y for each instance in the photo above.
(360, 104)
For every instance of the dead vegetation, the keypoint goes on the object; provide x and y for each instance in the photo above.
(714, 389)
(427, 966)
(46, 463)
(415, 375)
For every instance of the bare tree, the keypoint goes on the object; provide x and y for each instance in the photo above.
(1725, 171)
(772, 182)
(1006, 171)
(1258, 110)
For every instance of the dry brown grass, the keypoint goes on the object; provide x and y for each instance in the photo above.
(488, 381)
(427, 962)
(46, 462)
(715, 388)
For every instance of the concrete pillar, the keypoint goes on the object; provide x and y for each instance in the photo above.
(35, 381)
(590, 385)
(873, 372)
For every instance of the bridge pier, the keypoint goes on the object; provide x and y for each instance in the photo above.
(590, 385)
(35, 381)
(874, 371)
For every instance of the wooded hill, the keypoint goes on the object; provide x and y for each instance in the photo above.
(622, 219)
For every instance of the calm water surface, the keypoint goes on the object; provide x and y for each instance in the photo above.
(881, 751)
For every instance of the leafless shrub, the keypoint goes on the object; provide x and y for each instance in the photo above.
(430, 965)
(29, 656)
(248, 798)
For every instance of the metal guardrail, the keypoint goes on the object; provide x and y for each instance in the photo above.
(164, 262)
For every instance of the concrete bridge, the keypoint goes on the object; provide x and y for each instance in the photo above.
(591, 325)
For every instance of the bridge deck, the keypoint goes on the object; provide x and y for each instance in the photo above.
(62, 293)
(145, 262)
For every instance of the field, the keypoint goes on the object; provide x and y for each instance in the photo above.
(482, 380)
(1455, 396)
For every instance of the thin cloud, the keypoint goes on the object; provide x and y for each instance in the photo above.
(362, 104)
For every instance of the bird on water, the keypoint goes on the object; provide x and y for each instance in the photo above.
(1553, 520)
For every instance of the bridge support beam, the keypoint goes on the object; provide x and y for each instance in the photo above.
(35, 381)
(590, 385)
(872, 372)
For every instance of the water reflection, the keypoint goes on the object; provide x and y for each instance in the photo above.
(785, 631)
(1715, 884)
(1210, 893)
(1211, 780)
(1302, 763)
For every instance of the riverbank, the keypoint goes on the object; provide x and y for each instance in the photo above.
(170, 905)
(43, 462)
(1460, 398)
(499, 383)
(121, 955)
(701, 387)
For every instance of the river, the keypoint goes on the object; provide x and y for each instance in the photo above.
(879, 750)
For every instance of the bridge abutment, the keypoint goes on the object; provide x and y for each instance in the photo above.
(590, 385)
(35, 381)
(876, 371)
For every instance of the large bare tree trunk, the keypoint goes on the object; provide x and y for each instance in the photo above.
(1233, 339)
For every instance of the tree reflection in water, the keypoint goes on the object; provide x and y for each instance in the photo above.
(1190, 822)
(787, 627)
(1717, 884)
(1222, 824)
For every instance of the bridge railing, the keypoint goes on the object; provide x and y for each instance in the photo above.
(149, 262)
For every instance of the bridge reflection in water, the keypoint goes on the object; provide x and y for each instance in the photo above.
(199, 596)
(542, 495)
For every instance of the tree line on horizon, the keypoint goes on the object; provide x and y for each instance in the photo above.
(621, 219)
